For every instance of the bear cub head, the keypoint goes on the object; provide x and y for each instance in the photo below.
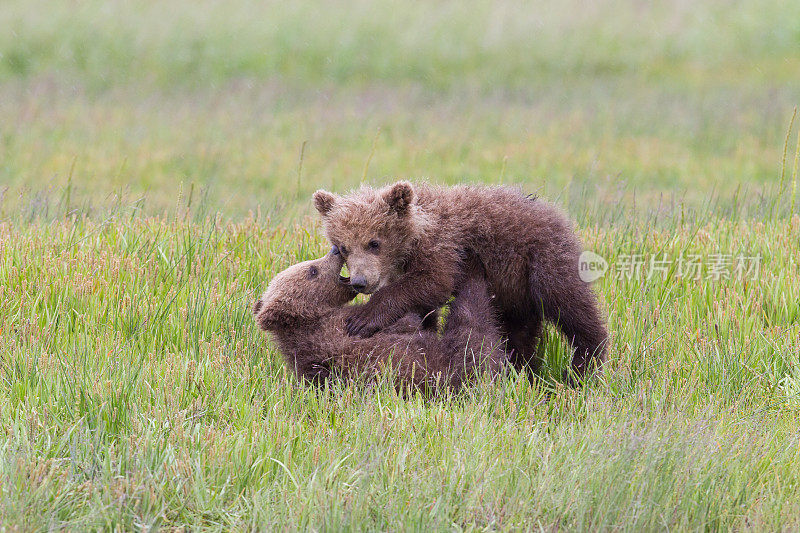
(303, 293)
(373, 229)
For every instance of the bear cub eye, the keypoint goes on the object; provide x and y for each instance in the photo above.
(373, 245)
(313, 272)
(343, 249)
(335, 250)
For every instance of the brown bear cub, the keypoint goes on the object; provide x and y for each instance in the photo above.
(304, 309)
(401, 246)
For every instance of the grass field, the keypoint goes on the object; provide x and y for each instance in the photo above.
(156, 166)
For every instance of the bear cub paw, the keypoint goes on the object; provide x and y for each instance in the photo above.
(363, 322)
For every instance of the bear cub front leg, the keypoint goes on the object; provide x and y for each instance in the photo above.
(367, 319)
(418, 292)
(421, 291)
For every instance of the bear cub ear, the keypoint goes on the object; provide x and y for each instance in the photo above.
(269, 319)
(399, 197)
(323, 201)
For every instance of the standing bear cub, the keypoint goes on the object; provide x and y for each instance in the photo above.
(401, 246)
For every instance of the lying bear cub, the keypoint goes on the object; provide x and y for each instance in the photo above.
(401, 244)
(304, 308)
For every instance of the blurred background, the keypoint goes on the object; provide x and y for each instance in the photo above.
(246, 106)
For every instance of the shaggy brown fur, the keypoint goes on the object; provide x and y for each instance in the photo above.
(401, 245)
(304, 309)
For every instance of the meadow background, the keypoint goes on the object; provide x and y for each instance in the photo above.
(156, 166)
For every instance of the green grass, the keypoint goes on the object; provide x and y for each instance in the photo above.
(140, 393)
(151, 184)
(140, 99)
